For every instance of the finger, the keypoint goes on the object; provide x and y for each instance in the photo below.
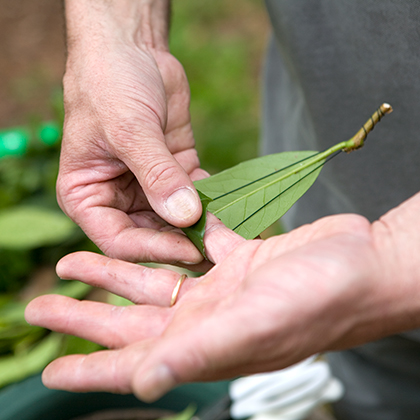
(137, 283)
(179, 138)
(198, 174)
(118, 236)
(219, 241)
(108, 325)
(103, 211)
(188, 159)
(212, 349)
(106, 371)
(167, 186)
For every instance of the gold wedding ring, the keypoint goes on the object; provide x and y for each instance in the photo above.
(177, 287)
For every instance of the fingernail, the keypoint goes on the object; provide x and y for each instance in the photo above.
(156, 383)
(182, 204)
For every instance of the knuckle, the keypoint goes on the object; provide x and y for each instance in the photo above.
(160, 173)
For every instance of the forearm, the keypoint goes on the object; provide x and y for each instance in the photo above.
(144, 22)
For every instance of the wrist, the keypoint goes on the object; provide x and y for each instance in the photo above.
(94, 22)
(397, 240)
(386, 289)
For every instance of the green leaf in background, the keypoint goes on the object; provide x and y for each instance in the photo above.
(12, 311)
(186, 414)
(196, 232)
(26, 227)
(26, 349)
(251, 196)
(19, 366)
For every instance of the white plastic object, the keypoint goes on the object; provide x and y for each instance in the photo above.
(287, 394)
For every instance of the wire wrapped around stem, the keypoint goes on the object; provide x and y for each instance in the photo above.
(359, 138)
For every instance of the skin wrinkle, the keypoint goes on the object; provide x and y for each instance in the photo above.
(137, 292)
(113, 338)
(79, 368)
(141, 99)
(148, 219)
(382, 228)
(153, 81)
(146, 294)
(383, 233)
(109, 272)
(189, 161)
(145, 26)
(141, 114)
(109, 242)
(75, 304)
(117, 335)
(81, 198)
(127, 197)
(149, 248)
(116, 374)
(123, 198)
(177, 100)
(173, 139)
(114, 204)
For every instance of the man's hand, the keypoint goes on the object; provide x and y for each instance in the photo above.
(128, 156)
(265, 305)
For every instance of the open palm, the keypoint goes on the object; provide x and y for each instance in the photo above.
(263, 306)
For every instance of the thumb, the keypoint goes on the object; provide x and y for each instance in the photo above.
(167, 186)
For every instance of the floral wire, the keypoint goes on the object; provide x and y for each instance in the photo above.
(288, 188)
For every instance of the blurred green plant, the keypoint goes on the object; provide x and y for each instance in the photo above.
(221, 44)
(34, 234)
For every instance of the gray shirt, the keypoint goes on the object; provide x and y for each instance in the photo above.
(329, 66)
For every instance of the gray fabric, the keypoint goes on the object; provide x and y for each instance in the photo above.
(329, 65)
(382, 380)
(339, 61)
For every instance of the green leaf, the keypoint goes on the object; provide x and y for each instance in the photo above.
(186, 414)
(27, 227)
(17, 367)
(77, 345)
(251, 196)
(196, 232)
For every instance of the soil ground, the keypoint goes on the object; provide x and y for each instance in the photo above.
(32, 49)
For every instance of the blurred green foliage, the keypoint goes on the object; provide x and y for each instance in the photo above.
(34, 231)
(34, 235)
(220, 44)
